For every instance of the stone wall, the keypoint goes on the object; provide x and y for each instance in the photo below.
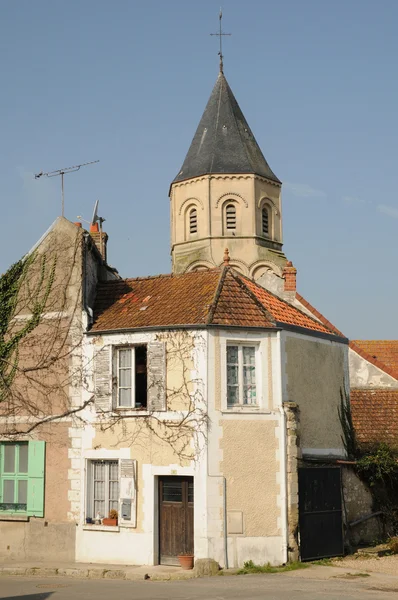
(358, 503)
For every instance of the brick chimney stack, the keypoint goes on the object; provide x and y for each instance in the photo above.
(289, 275)
(100, 239)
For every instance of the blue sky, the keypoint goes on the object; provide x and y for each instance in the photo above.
(126, 82)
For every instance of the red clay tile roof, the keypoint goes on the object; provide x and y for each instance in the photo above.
(283, 311)
(381, 353)
(212, 297)
(375, 416)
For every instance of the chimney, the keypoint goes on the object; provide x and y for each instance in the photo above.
(100, 239)
(289, 275)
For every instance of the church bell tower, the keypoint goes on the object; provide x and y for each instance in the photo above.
(226, 195)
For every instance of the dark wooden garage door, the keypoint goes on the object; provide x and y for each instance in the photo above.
(175, 518)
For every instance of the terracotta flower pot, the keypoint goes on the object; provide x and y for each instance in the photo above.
(186, 561)
(109, 522)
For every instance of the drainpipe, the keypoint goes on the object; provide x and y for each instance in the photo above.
(283, 457)
(225, 523)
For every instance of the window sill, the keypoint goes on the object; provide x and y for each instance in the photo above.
(128, 411)
(245, 409)
(10, 517)
(101, 528)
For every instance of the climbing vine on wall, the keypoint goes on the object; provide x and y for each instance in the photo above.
(10, 289)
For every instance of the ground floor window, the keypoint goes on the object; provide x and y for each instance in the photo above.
(22, 466)
(102, 488)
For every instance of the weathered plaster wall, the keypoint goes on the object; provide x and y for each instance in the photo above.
(250, 464)
(315, 373)
(364, 374)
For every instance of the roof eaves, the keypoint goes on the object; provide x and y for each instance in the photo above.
(333, 337)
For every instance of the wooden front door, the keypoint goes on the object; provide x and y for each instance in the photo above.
(175, 518)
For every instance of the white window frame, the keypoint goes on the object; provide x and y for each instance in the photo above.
(116, 371)
(90, 500)
(262, 363)
(131, 349)
(240, 346)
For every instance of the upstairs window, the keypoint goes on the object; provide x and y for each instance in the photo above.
(132, 377)
(230, 217)
(265, 221)
(193, 221)
(241, 376)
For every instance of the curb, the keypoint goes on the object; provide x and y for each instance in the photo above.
(93, 574)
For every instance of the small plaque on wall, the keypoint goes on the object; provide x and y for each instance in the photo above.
(235, 522)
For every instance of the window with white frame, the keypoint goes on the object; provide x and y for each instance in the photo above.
(102, 487)
(131, 377)
(241, 375)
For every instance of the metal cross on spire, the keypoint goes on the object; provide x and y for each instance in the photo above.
(220, 35)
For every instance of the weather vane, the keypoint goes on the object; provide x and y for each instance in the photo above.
(220, 35)
(63, 172)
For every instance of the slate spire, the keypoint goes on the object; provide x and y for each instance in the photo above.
(223, 142)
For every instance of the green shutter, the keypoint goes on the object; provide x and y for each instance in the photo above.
(36, 467)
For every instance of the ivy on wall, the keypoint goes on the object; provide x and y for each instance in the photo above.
(10, 288)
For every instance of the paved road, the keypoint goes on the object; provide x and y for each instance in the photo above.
(247, 587)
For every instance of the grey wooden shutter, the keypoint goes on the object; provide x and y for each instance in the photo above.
(128, 492)
(103, 380)
(156, 360)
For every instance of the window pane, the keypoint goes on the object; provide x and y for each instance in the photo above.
(114, 470)
(23, 458)
(249, 355)
(8, 491)
(124, 397)
(249, 394)
(99, 471)
(232, 375)
(249, 375)
(125, 378)
(22, 491)
(125, 357)
(99, 508)
(172, 491)
(9, 458)
(232, 354)
(232, 395)
(190, 491)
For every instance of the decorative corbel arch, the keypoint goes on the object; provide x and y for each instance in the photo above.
(193, 200)
(199, 264)
(264, 264)
(232, 196)
(240, 264)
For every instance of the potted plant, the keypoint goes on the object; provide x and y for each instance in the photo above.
(186, 560)
(111, 521)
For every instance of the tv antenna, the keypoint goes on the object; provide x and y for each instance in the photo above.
(63, 172)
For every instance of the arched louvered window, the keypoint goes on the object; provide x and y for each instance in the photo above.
(193, 221)
(230, 217)
(265, 221)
